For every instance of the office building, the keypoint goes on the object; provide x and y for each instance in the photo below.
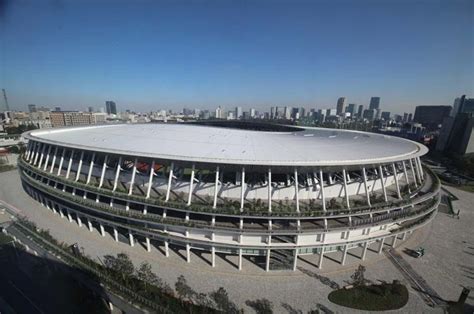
(110, 107)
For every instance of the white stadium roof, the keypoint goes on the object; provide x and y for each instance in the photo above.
(310, 147)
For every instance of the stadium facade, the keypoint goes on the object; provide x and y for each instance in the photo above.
(267, 195)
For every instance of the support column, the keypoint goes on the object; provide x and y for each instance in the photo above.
(421, 168)
(364, 252)
(102, 230)
(394, 240)
(47, 158)
(188, 253)
(68, 171)
(116, 238)
(150, 179)
(131, 239)
(321, 257)
(321, 183)
(383, 184)
(295, 260)
(367, 193)
(216, 188)
(148, 245)
(170, 178)
(417, 170)
(69, 217)
(242, 190)
(134, 172)
(381, 245)
(91, 168)
(267, 262)
(37, 153)
(79, 221)
(167, 250)
(191, 182)
(394, 168)
(240, 259)
(213, 256)
(42, 156)
(406, 175)
(79, 167)
(28, 150)
(413, 173)
(269, 190)
(54, 160)
(344, 255)
(297, 196)
(344, 174)
(117, 173)
(89, 225)
(104, 167)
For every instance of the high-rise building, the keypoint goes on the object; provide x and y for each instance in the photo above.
(238, 112)
(287, 113)
(360, 111)
(374, 103)
(369, 114)
(341, 103)
(111, 107)
(57, 108)
(220, 113)
(385, 115)
(252, 113)
(351, 108)
(272, 113)
(89, 109)
(31, 108)
(431, 116)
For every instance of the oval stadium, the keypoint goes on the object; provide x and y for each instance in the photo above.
(269, 195)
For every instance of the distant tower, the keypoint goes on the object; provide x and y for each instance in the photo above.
(6, 100)
(374, 103)
(111, 107)
(341, 104)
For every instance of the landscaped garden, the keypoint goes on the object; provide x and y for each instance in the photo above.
(363, 295)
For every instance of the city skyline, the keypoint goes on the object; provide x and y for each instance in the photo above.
(168, 56)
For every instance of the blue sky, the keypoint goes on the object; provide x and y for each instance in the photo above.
(200, 54)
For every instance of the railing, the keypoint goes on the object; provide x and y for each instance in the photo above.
(260, 213)
(147, 218)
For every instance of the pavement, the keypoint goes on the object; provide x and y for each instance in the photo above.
(448, 243)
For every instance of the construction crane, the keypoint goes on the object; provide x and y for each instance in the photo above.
(6, 100)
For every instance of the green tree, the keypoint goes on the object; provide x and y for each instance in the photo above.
(121, 265)
(223, 303)
(183, 290)
(146, 275)
(261, 306)
(358, 277)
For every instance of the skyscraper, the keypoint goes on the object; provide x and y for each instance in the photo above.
(374, 103)
(431, 116)
(238, 112)
(360, 111)
(32, 108)
(111, 108)
(341, 103)
(351, 108)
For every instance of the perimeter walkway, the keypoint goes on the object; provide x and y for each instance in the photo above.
(417, 282)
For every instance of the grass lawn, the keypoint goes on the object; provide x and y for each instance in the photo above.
(372, 298)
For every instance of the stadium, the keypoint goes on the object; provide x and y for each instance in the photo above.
(269, 194)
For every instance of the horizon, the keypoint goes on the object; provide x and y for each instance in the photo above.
(149, 56)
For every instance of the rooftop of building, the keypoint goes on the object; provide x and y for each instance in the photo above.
(217, 144)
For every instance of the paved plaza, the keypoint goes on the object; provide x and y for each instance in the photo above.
(446, 266)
